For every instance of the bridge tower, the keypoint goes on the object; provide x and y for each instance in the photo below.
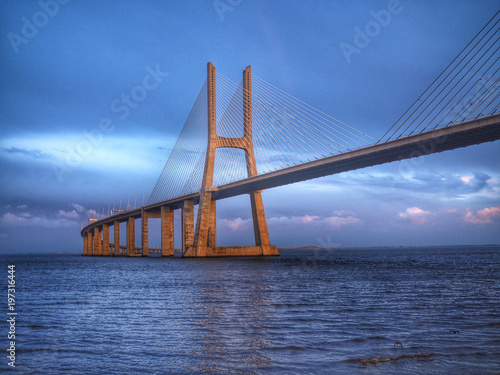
(204, 242)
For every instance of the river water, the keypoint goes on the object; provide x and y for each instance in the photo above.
(349, 311)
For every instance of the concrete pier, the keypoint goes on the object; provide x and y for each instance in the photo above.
(90, 243)
(167, 231)
(131, 237)
(116, 228)
(105, 240)
(144, 234)
(97, 241)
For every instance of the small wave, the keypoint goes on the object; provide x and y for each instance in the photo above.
(363, 339)
(388, 359)
(291, 347)
(36, 326)
(357, 339)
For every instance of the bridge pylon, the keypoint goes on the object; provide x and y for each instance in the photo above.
(204, 242)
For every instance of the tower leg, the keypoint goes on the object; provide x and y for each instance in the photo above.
(205, 238)
(212, 228)
(188, 228)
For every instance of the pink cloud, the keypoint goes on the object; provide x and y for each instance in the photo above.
(238, 224)
(415, 215)
(484, 216)
(307, 219)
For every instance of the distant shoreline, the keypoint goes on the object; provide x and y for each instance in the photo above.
(383, 247)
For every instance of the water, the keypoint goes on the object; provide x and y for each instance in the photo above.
(306, 312)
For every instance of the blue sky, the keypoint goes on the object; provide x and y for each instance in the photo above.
(66, 66)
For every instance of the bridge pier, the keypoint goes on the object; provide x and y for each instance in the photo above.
(97, 241)
(116, 229)
(144, 233)
(131, 237)
(85, 244)
(105, 240)
(167, 231)
(90, 243)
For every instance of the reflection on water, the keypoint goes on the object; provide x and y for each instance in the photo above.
(232, 313)
(339, 311)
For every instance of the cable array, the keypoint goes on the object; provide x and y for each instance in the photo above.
(467, 89)
(183, 171)
(286, 131)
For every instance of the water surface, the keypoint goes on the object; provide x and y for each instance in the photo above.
(336, 311)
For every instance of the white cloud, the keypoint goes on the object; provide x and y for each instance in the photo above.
(415, 216)
(338, 219)
(27, 219)
(68, 214)
(78, 207)
(341, 218)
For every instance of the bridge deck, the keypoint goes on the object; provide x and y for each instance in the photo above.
(485, 129)
(478, 131)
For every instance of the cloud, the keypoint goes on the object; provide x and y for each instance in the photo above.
(338, 219)
(341, 218)
(238, 224)
(466, 179)
(307, 219)
(452, 185)
(32, 153)
(78, 207)
(68, 214)
(415, 216)
(22, 207)
(484, 216)
(26, 219)
(78, 151)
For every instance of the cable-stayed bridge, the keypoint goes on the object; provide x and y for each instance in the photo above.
(242, 138)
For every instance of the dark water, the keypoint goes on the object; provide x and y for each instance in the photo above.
(305, 312)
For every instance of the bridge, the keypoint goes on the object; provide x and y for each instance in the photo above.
(248, 137)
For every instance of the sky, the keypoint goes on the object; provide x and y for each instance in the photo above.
(74, 141)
